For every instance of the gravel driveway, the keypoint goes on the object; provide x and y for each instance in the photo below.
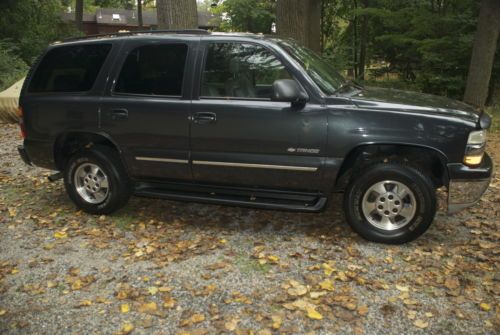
(161, 267)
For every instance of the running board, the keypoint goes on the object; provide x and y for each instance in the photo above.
(232, 196)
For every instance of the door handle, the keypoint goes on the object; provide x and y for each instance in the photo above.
(204, 117)
(119, 114)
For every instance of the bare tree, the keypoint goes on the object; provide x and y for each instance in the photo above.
(79, 14)
(177, 14)
(301, 20)
(483, 53)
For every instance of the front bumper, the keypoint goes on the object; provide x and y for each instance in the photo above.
(467, 184)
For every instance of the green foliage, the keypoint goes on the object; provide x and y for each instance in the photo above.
(256, 16)
(12, 68)
(32, 25)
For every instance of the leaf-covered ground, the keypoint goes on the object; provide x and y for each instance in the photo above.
(160, 267)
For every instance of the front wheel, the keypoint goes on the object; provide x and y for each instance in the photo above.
(390, 203)
(96, 181)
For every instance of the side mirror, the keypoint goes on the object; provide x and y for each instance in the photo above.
(287, 90)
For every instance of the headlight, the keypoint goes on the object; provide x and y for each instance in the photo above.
(475, 148)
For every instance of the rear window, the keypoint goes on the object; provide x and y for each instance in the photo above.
(154, 70)
(69, 68)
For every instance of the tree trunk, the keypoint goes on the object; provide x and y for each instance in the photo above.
(139, 14)
(300, 20)
(79, 14)
(177, 14)
(362, 46)
(483, 53)
(355, 41)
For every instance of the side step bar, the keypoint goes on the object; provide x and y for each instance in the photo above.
(254, 198)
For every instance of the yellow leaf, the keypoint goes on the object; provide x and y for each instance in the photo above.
(51, 284)
(402, 288)
(14, 271)
(60, 234)
(328, 269)
(197, 318)
(484, 306)
(164, 289)
(223, 241)
(168, 302)
(84, 303)
(297, 291)
(231, 325)
(316, 295)
(273, 259)
(77, 284)
(3, 311)
(421, 324)
(153, 290)
(127, 328)
(12, 212)
(124, 308)
(277, 321)
(327, 285)
(147, 307)
(313, 314)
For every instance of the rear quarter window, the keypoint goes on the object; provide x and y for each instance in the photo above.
(69, 68)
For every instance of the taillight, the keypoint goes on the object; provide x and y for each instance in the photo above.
(21, 122)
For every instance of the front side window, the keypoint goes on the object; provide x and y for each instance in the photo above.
(240, 70)
(154, 70)
(323, 74)
(69, 68)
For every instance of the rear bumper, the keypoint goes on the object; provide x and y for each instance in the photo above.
(24, 154)
(467, 184)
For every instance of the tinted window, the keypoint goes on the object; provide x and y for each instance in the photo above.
(69, 68)
(240, 70)
(154, 70)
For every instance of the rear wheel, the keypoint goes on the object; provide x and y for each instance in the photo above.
(390, 203)
(96, 180)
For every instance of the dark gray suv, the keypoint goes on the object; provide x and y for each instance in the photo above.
(245, 120)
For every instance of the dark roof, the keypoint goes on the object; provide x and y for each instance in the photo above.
(118, 16)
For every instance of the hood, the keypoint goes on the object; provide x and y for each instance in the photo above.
(391, 99)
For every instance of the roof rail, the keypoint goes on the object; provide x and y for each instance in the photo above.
(136, 32)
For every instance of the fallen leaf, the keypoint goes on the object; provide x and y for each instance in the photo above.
(421, 324)
(147, 307)
(313, 314)
(153, 290)
(484, 306)
(3, 311)
(84, 303)
(124, 308)
(277, 321)
(402, 288)
(60, 234)
(127, 328)
(327, 284)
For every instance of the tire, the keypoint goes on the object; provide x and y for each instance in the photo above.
(112, 182)
(405, 216)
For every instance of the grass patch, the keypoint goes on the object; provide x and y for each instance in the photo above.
(123, 222)
(248, 266)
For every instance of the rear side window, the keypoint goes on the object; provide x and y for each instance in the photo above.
(154, 70)
(69, 68)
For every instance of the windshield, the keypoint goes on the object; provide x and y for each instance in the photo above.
(323, 74)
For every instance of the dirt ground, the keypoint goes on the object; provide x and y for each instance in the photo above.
(161, 267)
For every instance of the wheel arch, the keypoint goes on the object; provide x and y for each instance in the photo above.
(69, 142)
(427, 158)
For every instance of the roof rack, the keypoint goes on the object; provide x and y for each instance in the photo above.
(136, 32)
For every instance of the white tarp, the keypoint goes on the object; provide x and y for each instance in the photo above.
(9, 101)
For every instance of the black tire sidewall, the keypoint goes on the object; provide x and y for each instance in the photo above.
(118, 182)
(419, 184)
